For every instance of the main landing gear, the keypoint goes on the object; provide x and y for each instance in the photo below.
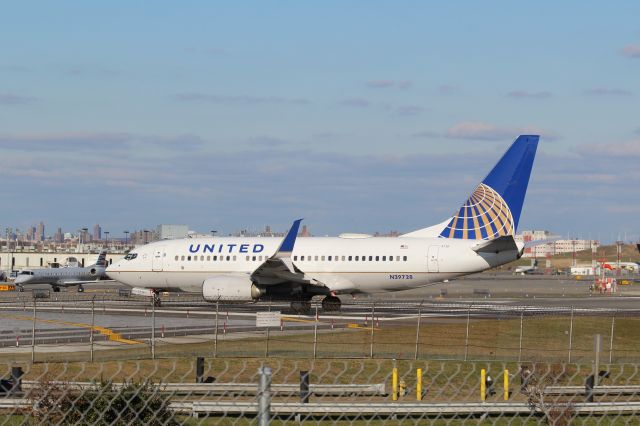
(302, 307)
(80, 289)
(56, 289)
(331, 304)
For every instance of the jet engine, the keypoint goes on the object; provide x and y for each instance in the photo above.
(230, 287)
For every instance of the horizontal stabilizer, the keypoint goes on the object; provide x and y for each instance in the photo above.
(534, 243)
(500, 244)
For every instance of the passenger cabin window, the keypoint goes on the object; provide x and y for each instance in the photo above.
(215, 257)
(329, 258)
(189, 258)
(384, 258)
(377, 258)
(176, 257)
(182, 258)
(404, 258)
(295, 258)
(302, 258)
(357, 258)
(370, 258)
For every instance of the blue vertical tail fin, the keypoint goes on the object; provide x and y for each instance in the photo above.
(493, 209)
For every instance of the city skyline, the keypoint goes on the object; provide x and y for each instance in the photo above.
(358, 117)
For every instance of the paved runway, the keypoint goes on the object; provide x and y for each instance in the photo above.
(67, 316)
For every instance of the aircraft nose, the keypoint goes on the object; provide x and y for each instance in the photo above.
(20, 279)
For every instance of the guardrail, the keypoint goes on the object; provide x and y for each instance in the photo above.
(598, 390)
(377, 389)
(361, 409)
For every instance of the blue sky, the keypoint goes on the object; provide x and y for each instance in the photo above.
(359, 116)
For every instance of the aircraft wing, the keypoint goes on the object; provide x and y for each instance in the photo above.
(279, 267)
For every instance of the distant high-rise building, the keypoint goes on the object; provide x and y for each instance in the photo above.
(59, 237)
(40, 232)
(305, 231)
(97, 232)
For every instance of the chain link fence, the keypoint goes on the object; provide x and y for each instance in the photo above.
(123, 361)
(330, 391)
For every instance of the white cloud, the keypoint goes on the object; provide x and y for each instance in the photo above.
(631, 50)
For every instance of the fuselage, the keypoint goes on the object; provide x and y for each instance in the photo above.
(343, 265)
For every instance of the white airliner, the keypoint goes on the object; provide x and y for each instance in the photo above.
(479, 236)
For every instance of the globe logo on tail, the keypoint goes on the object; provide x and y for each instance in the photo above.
(485, 215)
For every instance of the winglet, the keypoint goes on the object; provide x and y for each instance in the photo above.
(286, 247)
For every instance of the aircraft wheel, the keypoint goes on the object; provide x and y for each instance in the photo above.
(302, 307)
(56, 289)
(156, 301)
(20, 289)
(80, 289)
(331, 304)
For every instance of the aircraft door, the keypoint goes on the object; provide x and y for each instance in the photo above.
(432, 259)
(157, 258)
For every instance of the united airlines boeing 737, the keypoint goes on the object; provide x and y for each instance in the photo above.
(479, 236)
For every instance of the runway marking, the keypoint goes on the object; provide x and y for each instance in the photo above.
(112, 335)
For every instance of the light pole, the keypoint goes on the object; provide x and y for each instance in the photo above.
(213, 232)
(106, 236)
(146, 236)
(126, 238)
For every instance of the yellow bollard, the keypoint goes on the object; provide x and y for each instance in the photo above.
(483, 385)
(506, 385)
(419, 384)
(394, 384)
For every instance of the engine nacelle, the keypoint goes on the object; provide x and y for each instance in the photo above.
(230, 287)
(93, 272)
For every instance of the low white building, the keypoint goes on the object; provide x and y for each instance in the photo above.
(555, 247)
(172, 232)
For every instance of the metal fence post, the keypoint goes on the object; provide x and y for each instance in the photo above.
(33, 334)
(315, 334)
(597, 343)
(93, 323)
(613, 324)
(466, 337)
(153, 331)
(266, 343)
(415, 356)
(264, 396)
(521, 332)
(215, 341)
(571, 334)
(373, 312)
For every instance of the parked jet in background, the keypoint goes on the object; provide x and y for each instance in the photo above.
(65, 276)
(529, 269)
(479, 236)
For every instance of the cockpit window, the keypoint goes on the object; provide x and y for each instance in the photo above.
(131, 256)
(26, 273)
